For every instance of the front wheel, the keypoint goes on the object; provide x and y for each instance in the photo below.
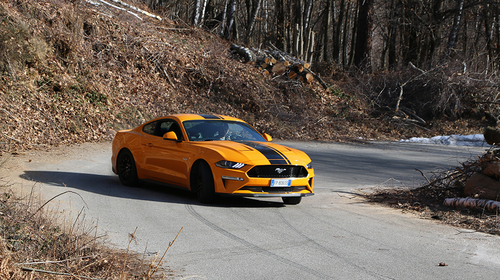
(126, 169)
(204, 183)
(292, 200)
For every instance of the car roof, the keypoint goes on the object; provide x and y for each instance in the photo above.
(189, 117)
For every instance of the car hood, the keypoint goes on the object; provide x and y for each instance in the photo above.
(257, 153)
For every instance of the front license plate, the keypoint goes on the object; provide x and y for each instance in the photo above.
(281, 182)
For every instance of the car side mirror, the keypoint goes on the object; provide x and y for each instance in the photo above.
(268, 137)
(170, 136)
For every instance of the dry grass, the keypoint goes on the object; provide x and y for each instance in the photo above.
(33, 246)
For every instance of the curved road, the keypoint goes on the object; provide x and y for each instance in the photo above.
(331, 235)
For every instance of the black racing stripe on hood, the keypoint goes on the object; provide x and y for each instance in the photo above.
(213, 117)
(274, 156)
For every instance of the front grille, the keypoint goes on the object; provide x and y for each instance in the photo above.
(279, 190)
(277, 171)
(274, 189)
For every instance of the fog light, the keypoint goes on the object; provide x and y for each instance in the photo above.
(232, 178)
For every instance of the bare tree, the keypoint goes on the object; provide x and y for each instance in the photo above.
(363, 35)
(231, 30)
(252, 18)
(417, 31)
(197, 12)
(454, 29)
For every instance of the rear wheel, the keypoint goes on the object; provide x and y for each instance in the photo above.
(204, 183)
(292, 200)
(126, 169)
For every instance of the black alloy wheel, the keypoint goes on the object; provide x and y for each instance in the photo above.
(127, 171)
(204, 183)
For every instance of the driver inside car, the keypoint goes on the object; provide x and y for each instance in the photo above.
(222, 132)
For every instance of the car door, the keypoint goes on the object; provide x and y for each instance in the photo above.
(167, 160)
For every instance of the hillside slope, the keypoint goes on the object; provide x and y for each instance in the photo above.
(75, 71)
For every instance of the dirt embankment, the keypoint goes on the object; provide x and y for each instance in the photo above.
(72, 71)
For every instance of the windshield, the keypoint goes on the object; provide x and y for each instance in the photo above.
(209, 130)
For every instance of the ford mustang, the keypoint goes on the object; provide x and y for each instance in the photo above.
(211, 155)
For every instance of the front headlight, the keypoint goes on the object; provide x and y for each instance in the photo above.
(229, 164)
(309, 165)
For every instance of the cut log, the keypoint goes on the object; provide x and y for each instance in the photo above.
(246, 53)
(266, 60)
(491, 169)
(279, 68)
(472, 203)
(482, 186)
(309, 78)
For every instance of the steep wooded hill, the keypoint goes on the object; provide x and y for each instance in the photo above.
(75, 71)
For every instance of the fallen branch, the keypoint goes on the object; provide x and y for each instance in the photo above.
(57, 273)
(8, 113)
(12, 138)
(128, 6)
(423, 175)
(411, 113)
(136, 9)
(40, 208)
(61, 261)
(472, 203)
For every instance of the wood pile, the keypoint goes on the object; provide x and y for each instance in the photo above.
(485, 184)
(276, 62)
(482, 189)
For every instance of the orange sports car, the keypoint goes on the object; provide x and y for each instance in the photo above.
(211, 155)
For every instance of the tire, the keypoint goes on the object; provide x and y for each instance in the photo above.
(292, 200)
(204, 183)
(126, 169)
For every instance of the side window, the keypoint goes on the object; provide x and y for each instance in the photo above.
(169, 125)
(164, 127)
(149, 128)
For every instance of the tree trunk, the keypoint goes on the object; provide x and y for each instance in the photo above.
(455, 27)
(393, 34)
(363, 34)
(307, 14)
(337, 35)
(324, 35)
(253, 18)
(345, 37)
(203, 9)
(224, 19)
(280, 25)
(231, 20)
(197, 12)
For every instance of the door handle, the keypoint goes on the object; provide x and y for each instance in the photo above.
(149, 144)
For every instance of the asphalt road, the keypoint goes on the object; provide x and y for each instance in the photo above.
(331, 235)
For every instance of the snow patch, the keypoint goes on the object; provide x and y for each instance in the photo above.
(474, 140)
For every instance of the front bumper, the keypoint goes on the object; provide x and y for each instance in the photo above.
(237, 183)
(268, 194)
